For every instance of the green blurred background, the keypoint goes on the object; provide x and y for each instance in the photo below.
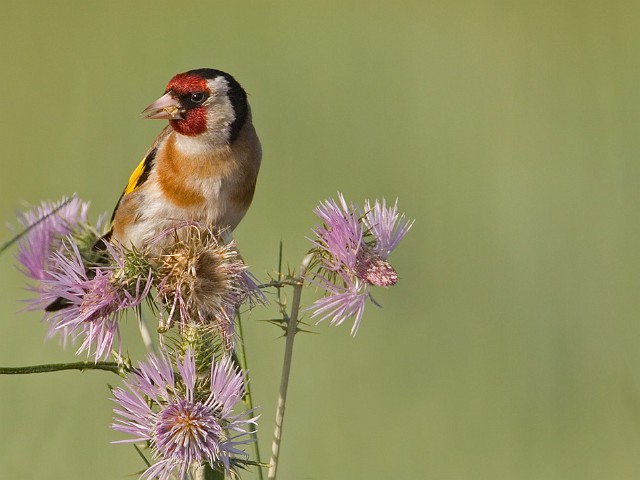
(509, 130)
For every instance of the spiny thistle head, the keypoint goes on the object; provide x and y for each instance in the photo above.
(130, 263)
(351, 251)
(200, 278)
(202, 341)
(186, 421)
(95, 298)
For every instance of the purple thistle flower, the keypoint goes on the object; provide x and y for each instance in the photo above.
(341, 303)
(353, 249)
(386, 226)
(184, 425)
(97, 298)
(340, 236)
(249, 291)
(48, 224)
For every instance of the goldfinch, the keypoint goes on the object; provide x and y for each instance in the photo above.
(202, 167)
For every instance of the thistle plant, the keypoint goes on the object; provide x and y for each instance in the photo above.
(185, 417)
(187, 405)
(351, 251)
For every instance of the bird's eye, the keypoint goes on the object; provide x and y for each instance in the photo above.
(197, 97)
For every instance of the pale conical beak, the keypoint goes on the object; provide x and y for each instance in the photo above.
(166, 107)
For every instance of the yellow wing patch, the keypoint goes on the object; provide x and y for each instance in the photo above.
(141, 173)
(138, 177)
(134, 179)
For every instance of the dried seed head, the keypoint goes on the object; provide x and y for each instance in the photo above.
(375, 271)
(200, 278)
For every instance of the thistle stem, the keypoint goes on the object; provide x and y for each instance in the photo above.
(58, 367)
(292, 327)
(205, 472)
(248, 396)
(144, 331)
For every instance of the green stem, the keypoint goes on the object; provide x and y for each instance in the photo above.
(248, 396)
(57, 367)
(144, 331)
(205, 472)
(278, 283)
(292, 327)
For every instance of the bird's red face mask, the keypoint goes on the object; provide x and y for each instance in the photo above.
(183, 104)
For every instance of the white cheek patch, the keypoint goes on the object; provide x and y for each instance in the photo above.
(220, 117)
(220, 113)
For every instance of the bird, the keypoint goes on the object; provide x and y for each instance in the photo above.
(202, 167)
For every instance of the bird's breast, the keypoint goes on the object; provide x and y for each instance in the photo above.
(188, 181)
(213, 187)
(208, 186)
